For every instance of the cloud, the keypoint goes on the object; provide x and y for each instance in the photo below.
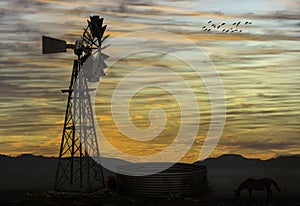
(267, 52)
(265, 145)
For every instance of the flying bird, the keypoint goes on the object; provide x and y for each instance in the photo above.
(218, 26)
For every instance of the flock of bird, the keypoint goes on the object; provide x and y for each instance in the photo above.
(234, 27)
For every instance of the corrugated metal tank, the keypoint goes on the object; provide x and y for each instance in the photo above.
(180, 179)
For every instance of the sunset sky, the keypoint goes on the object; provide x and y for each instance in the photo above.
(259, 68)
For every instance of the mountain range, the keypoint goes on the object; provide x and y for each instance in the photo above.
(38, 172)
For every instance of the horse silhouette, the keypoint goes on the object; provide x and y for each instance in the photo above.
(258, 185)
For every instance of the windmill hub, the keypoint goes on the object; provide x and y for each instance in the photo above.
(79, 47)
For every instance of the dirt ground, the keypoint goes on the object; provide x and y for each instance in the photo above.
(20, 198)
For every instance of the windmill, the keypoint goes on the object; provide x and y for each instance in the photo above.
(78, 166)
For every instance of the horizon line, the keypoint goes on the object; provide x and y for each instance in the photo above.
(222, 155)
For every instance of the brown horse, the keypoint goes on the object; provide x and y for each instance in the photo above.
(257, 184)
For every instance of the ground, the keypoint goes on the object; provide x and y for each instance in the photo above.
(20, 198)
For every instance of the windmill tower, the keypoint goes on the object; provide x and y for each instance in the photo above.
(78, 166)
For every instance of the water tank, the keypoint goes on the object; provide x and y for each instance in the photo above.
(180, 179)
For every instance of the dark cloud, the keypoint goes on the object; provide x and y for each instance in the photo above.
(267, 145)
(8, 143)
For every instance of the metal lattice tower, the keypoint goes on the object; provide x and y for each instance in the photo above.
(78, 166)
(77, 169)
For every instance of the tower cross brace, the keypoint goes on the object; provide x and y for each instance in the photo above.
(78, 166)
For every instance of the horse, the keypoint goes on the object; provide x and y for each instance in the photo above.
(258, 185)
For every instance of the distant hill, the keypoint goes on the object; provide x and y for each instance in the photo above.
(226, 172)
(233, 160)
(237, 164)
(37, 172)
(27, 171)
(227, 160)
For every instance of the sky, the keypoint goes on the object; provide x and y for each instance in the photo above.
(259, 68)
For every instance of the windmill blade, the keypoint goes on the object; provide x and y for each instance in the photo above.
(94, 67)
(105, 46)
(88, 35)
(104, 56)
(104, 38)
